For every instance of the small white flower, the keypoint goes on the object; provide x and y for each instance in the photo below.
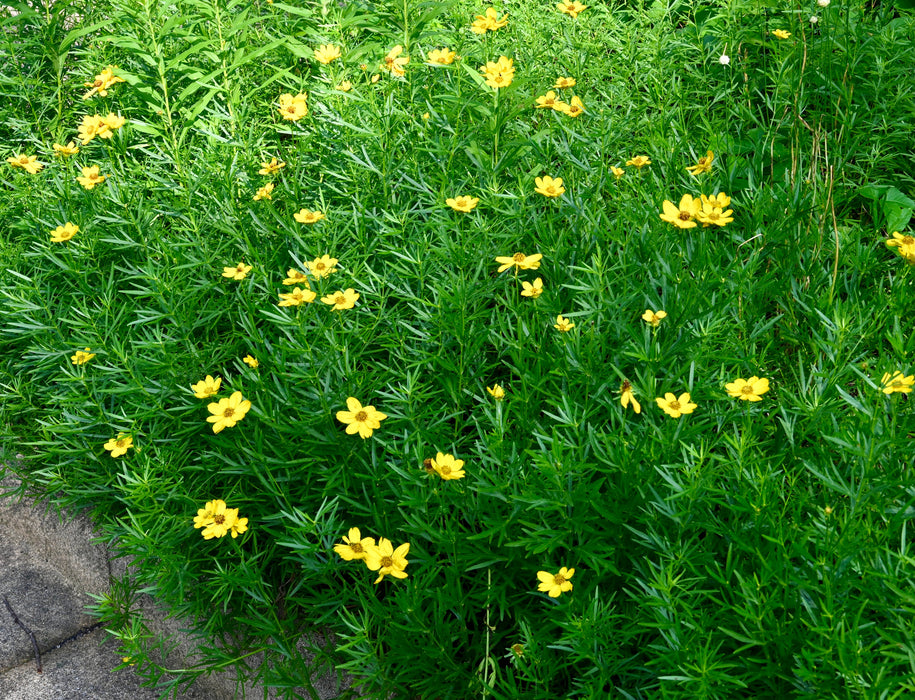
(724, 59)
(823, 3)
(814, 20)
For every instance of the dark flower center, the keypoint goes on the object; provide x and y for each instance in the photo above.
(219, 519)
(340, 299)
(674, 405)
(387, 562)
(748, 389)
(559, 579)
(361, 416)
(445, 469)
(356, 547)
(518, 257)
(685, 216)
(228, 413)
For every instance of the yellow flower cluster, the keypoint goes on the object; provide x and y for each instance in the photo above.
(28, 163)
(706, 210)
(488, 22)
(499, 74)
(381, 557)
(103, 81)
(96, 125)
(293, 108)
(217, 520)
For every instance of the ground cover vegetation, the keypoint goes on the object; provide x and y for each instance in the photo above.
(535, 350)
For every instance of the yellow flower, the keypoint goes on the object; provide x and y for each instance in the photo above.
(102, 82)
(354, 546)
(564, 83)
(499, 74)
(897, 383)
(571, 8)
(547, 101)
(628, 397)
(251, 361)
(206, 388)
(90, 177)
(441, 57)
(425, 116)
(295, 277)
(239, 526)
(519, 260)
(549, 187)
(28, 163)
(342, 299)
(555, 584)
(676, 407)
(720, 200)
(703, 166)
(91, 127)
(394, 62)
(118, 446)
(306, 216)
(780, 34)
(207, 514)
(710, 214)
(359, 419)
(327, 53)
(274, 166)
(113, 122)
(323, 267)
(447, 467)
(532, 290)
(387, 561)
(617, 172)
(563, 325)
(639, 161)
(297, 297)
(681, 216)
(71, 149)
(344, 86)
(653, 317)
(264, 192)
(496, 391)
(904, 244)
(64, 233)
(82, 357)
(462, 203)
(227, 412)
(375, 78)
(294, 108)
(239, 272)
(488, 22)
(574, 109)
(750, 389)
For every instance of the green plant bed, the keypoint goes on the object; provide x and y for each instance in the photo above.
(418, 331)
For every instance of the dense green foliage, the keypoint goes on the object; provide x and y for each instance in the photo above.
(747, 549)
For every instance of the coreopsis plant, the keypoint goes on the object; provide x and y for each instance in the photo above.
(562, 82)
(306, 216)
(218, 520)
(675, 406)
(575, 107)
(394, 63)
(272, 167)
(462, 203)
(532, 290)
(653, 318)
(90, 177)
(360, 419)
(64, 232)
(28, 163)
(639, 161)
(206, 387)
(102, 83)
(519, 261)
(251, 361)
(264, 192)
(71, 149)
(447, 467)
(897, 383)
(903, 243)
(227, 412)
(295, 277)
(297, 297)
(547, 101)
(327, 53)
(711, 214)
(344, 86)
(118, 446)
(563, 325)
(682, 215)
(571, 8)
(499, 74)
(441, 57)
(82, 356)
(780, 34)
(341, 299)
(549, 187)
(627, 396)
(323, 267)
(555, 584)
(496, 391)
(617, 172)
(354, 545)
(750, 389)
(490, 21)
(386, 560)
(238, 273)
(704, 165)
(293, 108)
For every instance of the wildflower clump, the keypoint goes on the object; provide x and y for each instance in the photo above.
(218, 520)
(293, 108)
(499, 74)
(488, 22)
